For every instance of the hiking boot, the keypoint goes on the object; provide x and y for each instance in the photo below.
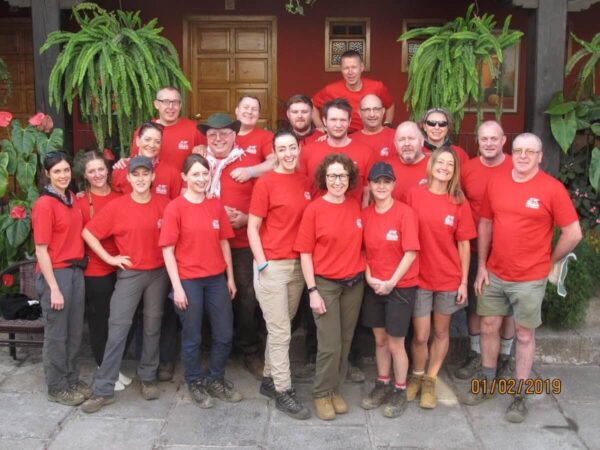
(267, 387)
(165, 371)
(82, 388)
(324, 408)
(413, 386)
(428, 397)
(306, 371)
(505, 367)
(199, 394)
(355, 374)
(223, 390)
(339, 404)
(67, 397)
(255, 364)
(378, 395)
(149, 390)
(286, 401)
(396, 404)
(517, 410)
(477, 391)
(96, 402)
(470, 367)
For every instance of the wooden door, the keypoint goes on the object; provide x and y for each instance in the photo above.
(226, 57)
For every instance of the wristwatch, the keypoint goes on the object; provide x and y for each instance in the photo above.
(312, 289)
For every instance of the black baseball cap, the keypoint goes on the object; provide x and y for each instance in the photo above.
(381, 169)
(139, 161)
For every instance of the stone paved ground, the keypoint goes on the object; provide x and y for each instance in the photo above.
(28, 421)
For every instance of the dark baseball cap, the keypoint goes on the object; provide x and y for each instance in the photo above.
(381, 169)
(139, 161)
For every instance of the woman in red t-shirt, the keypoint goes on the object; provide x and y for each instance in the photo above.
(445, 228)
(278, 201)
(134, 222)
(436, 123)
(100, 278)
(391, 241)
(195, 246)
(57, 223)
(330, 242)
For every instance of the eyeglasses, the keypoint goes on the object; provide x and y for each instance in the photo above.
(371, 110)
(526, 151)
(223, 134)
(343, 177)
(439, 123)
(167, 102)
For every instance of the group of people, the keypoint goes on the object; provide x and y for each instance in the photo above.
(229, 225)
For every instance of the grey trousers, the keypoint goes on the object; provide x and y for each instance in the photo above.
(151, 286)
(62, 329)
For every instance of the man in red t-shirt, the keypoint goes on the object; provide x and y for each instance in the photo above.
(225, 158)
(180, 136)
(474, 178)
(410, 164)
(517, 220)
(377, 136)
(353, 87)
(299, 114)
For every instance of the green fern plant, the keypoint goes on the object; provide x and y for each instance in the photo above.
(586, 78)
(5, 83)
(113, 65)
(446, 69)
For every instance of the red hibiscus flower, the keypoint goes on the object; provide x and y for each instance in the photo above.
(108, 154)
(5, 118)
(18, 212)
(36, 120)
(8, 279)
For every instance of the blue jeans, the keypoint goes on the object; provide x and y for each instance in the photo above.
(208, 294)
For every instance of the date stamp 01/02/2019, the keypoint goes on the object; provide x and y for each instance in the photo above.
(511, 386)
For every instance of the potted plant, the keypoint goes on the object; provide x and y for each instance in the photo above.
(19, 162)
(448, 68)
(113, 66)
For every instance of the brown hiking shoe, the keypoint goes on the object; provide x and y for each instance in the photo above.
(339, 404)
(82, 388)
(476, 393)
(428, 397)
(378, 395)
(324, 408)
(413, 386)
(96, 402)
(149, 390)
(165, 371)
(67, 397)
(470, 367)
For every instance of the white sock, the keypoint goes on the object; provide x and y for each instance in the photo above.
(506, 346)
(119, 386)
(422, 372)
(124, 379)
(474, 339)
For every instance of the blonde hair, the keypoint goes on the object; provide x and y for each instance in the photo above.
(454, 191)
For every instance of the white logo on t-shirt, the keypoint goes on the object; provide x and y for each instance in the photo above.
(422, 181)
(392, 235)
(359, 223)
(161, 189)
(533, 203)
(251, 149)
(384, 151)
(307, 195)
(449, 220)
(159, 224)
(215, 224)
(183, 145)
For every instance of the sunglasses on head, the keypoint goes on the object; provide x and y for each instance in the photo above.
(439, 123)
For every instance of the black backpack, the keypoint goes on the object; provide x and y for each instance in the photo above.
(20, 306)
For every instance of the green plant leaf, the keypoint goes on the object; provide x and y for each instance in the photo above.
(596, 128)
(50, 143)
(3, 181)
(564, 129)
(18, 232)
(594, 171)
(4, 159)
(26, 172)
(561, 108)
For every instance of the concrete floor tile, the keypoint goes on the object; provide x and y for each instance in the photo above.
(578, 383)
(585, 417)
(22, 444)
(319, 438)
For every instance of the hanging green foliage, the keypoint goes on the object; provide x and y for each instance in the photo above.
(586, 77)
(5, 83)
(447, 68)
(114, 65)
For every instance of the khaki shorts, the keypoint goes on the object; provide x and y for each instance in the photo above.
(523, 298)
(443, 302)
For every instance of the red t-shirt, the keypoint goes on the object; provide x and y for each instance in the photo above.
(135, 228)
(238, 196)
(309, 138)
(463, 156)
(408, 176)
(441, 225)
(338, 89)
(280, 199)
(523, 216)
(258, 142)
(381, 143)
(96, 267)
(332, 233)
(196, 230)
(387, 237)
(167, 181)
(312, 155)
(178, 141)
(59, 227)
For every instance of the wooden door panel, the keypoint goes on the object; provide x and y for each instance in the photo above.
(215, 70)
(251, 41)
(213, 41)
(213, 100)
(252, 70)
